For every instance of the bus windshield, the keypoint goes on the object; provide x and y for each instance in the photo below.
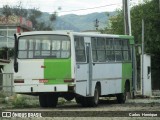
(43, 46)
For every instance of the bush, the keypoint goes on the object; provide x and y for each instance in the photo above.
(20, 102)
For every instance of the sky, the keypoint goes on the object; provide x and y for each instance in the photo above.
(79, 7)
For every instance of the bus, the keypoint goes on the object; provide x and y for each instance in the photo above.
(84, 66)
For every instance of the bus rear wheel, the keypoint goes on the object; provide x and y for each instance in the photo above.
(52, 99)
(48, 100)
(121, 98)
(43, 100)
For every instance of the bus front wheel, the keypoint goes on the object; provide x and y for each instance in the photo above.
(52, 100)
(90, 101)
(95, 99)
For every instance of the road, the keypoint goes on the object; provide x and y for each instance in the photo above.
(150, 108)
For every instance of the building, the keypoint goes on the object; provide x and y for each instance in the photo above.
(11, 25)
(8, 27)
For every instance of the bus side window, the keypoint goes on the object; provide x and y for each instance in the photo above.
(126, 54)
(101, 49)
(109, 45)
(118, 49)
(94, 52)
(79, 49)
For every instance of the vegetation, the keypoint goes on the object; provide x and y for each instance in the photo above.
(20, 102)
(31, 14)
(150, 12)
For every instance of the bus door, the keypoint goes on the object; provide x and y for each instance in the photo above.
(83, 66)
(89, 64)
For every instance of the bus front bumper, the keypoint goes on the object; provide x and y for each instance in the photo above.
(40, 88)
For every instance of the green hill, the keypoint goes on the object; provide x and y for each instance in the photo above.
(77, 22)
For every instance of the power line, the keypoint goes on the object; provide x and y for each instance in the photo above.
(91, 8)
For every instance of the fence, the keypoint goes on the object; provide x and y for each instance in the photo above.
(6, 83)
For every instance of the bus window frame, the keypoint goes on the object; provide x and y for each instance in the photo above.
(115, 60)
(41, 57)
(85, 50)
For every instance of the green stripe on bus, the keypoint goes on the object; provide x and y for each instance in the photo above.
(131, 38)
(56, 70)
(126, 74)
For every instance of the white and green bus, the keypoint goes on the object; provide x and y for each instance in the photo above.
(84, 66)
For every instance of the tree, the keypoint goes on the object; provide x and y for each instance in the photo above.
(150, 13)
(7, 11)
(31, 14)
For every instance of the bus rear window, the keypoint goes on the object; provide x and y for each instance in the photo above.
(44, 46)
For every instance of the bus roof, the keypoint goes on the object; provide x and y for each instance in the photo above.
(68, 32)
(101, 35)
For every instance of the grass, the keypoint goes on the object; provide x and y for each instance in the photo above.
(18, 101)
(2, 95)
(24, 102)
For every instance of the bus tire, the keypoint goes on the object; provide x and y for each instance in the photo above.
(43, 100)
(69, 97)
(52, 100)
(78, 100)
(121, 98)
(89, 101)
(93, 101)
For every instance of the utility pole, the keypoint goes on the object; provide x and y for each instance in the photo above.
(142, 61)
(142, 57)
(96, 24)
(127, 28)
(127, 20)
